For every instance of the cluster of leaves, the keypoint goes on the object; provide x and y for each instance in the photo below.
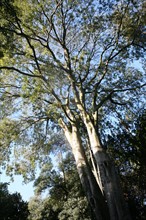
(11, 205)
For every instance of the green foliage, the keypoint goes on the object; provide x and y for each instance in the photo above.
(11, 205)
(9, 132)
(131, 18)
(74, 209)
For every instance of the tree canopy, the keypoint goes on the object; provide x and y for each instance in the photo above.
(69, 67)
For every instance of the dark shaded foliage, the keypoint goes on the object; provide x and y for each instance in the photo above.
(11, 205)
(130, 151)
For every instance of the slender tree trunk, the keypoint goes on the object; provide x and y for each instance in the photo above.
(90, 186)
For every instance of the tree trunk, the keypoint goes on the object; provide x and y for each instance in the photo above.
(89, 184)
(107, 176)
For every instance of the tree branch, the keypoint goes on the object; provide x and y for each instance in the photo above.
(109, 96)
(19, 71)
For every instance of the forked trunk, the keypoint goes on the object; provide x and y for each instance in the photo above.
(89, 184)
(107, 177)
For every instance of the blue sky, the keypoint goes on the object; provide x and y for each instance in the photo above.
(26, 190)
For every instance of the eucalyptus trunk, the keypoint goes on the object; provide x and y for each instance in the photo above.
(88, 181)
(107, 176)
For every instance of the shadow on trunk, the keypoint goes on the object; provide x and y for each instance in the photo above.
(93, 193)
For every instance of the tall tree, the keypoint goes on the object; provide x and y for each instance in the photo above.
(67, 65)
(66, 199)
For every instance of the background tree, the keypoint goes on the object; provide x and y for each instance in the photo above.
(129, 146)
(11, 205)
(65, 198)
(68, 67)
